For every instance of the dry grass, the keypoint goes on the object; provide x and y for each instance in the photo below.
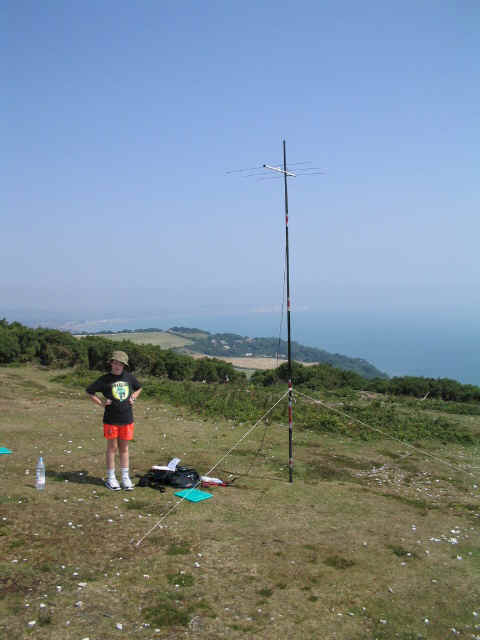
(259, 363)
(251, 364)
(254, 363)
(370, 540)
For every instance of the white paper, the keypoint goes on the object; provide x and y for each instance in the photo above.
(172, 465)
(213, 480)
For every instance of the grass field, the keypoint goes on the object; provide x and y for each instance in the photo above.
(372, 540)
(160, 338)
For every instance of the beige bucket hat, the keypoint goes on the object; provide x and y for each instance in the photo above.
(120, 356)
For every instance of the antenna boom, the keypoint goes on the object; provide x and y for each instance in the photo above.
(284, 171)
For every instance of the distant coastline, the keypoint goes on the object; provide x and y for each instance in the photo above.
(230, 346)
(436, 345)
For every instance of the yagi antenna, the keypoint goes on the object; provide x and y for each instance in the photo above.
(263, 171)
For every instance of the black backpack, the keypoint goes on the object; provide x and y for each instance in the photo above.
(181, 478)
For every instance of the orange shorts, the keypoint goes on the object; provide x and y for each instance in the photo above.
(122, 431)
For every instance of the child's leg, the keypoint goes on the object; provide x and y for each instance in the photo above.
(123, 451)
(112, 448)
(111, 482)
(124, 461)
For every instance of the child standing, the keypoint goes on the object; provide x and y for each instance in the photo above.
(120, 390)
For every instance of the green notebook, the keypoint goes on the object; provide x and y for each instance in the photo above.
(194, 495)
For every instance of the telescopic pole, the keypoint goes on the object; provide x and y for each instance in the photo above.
(289, 341)
(287, 266)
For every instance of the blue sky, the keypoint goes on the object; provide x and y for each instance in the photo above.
(120, 121)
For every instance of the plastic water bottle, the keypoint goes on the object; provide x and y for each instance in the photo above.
(40, 477)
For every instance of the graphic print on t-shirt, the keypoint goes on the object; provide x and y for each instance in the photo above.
(120, 390)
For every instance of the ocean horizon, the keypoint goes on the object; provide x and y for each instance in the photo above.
(397, 345)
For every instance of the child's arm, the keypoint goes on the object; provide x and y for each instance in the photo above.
(135, 395)
(96, 400)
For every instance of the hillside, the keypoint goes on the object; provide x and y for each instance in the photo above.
(232, 345)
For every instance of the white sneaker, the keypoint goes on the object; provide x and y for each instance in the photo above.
(127, 484)
(112, 484)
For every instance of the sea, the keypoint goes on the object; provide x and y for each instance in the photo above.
(399, 344)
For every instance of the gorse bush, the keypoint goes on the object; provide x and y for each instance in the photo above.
(386, 418)
(324, 376)
(48, 347)
(434, 388)
(321, 376)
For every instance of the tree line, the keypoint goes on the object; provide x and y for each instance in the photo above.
(324, 376)
(60, 349)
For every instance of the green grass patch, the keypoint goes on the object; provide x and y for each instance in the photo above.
(416, 503)
(12, 499)
(160, 338)
(137, 505)
(180, 579)
(401, 552)
(167, 611)
(318, 470)
(178, 549)
(339, 562)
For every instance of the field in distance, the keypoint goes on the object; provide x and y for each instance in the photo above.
(162, 339)
(254, 363)
(248, 364)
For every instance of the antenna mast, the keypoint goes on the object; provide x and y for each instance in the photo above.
(287, 260)
(302, 171)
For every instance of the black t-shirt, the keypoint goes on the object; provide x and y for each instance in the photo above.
(118, 389)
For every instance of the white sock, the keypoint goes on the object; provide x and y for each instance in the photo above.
(110, 473)
(124, 471)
